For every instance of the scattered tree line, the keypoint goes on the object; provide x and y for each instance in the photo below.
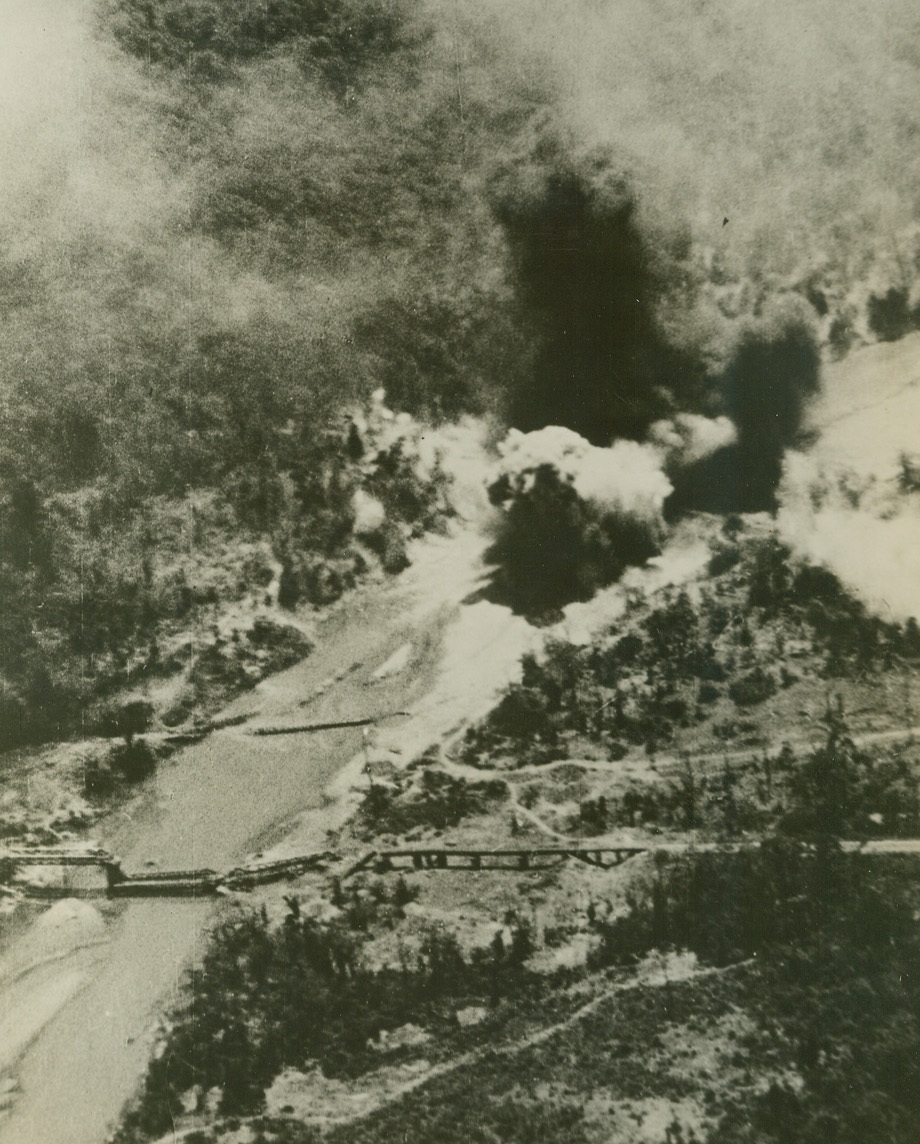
(268, 997)
(678, 657)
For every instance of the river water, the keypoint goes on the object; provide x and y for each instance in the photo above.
(424, 643)
(232, 795)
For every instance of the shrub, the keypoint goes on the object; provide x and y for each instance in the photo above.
(708, 692)
(434, 800)
(136, 760)
(753, 688)
(521, 714)
(128, 718)
(890, 316)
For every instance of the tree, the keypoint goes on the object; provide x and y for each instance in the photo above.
(825, 790)
(130, 718)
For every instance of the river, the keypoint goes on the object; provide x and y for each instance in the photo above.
(79, 1022)
(90, 1014)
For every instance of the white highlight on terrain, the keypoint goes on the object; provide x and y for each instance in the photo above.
(395, 664)
(39, 976)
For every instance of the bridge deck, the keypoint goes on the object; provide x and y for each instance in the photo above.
(523, 858)
(402, 859)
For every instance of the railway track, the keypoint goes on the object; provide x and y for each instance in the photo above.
(201, 882)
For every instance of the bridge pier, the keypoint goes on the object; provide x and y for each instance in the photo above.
(113, 874)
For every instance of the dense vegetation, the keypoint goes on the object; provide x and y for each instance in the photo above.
(171, 441)
(293, 203)
(269, 997)
(738, 636)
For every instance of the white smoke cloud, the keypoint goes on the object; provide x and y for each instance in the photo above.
(689, 437)
(788, 120)
(627, 478)
(370, 515)
(863, 529)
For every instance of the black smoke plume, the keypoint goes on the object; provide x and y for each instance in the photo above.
(772, 372)
(596, 282)
(590, 282)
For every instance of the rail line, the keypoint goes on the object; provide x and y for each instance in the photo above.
(204, 881)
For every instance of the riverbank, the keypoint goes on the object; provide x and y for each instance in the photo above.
(233, 794)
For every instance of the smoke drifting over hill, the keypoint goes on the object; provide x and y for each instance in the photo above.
(592, 282)
(792, 120)
(866, 529)
(513, 207)
(224, 225)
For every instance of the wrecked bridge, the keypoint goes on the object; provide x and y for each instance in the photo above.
(31, 869)
(106, 878)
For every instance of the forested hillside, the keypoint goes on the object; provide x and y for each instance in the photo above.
(236, 222)
(178, 390)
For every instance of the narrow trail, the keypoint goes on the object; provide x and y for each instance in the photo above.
(534, 819)
(377, 1090)
(663, 765)
(666, 762)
